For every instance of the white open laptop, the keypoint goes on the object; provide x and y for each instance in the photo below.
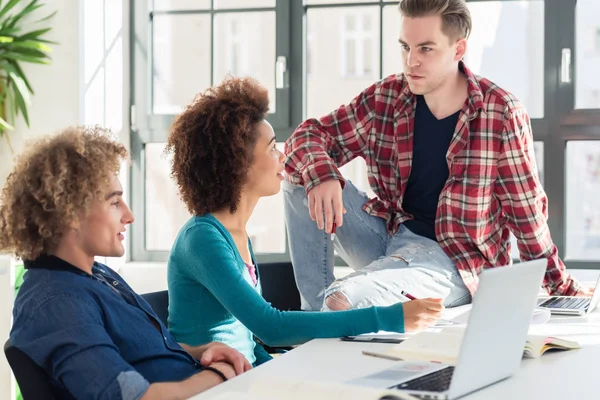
(496, 318)
(570, 305)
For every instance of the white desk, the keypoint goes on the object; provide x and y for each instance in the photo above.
(564, 375)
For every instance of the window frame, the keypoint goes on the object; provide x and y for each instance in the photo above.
(561, 121)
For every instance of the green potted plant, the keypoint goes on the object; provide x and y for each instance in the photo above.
(19, 44)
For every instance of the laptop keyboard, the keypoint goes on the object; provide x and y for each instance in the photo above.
(437, 381)
(574, 303)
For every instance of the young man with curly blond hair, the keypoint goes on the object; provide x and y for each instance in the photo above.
(450, 159)
(61, 206)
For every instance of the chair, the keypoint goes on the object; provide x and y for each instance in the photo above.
(279, 288)
(159, 301)
(279, 285)
(32, 379)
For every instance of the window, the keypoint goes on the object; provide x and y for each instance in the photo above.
(334, 49)
(358, 40)
(327, 87)
(587, 53)
(235, 46)
(182, 47)
(583, 191)
(492, 39)
(310, 54)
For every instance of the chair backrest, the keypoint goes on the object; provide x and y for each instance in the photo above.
(279, 285)
(33, 381)
(159, 301)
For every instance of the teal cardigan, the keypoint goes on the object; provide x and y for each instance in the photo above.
(212, 298)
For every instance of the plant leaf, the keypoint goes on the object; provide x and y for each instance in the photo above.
(22, 103)
(47, 17)
(6, 125)
(31, 44)
(8, 7)
(6, 39)
(33, 34)
(26, 58)
(28, 9)
(20, 72)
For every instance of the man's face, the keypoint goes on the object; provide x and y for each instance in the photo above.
(101, 231)
(429, 56)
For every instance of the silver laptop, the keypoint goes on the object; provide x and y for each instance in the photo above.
(493, 341)
(571, 305)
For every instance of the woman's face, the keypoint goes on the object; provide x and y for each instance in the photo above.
(266, 172)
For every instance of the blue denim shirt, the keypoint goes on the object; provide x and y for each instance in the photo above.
(92, 334)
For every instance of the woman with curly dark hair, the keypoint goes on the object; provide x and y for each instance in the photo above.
(224, 160)
(78, 319)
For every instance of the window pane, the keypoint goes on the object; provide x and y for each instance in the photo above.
(327, 86)
(515, 28)
(582, 194)
(587, 51)
(166, 5)
(245, 46)
(181, 65)
(392, 53)
(538, 148)
(266, 227)
(243, 3)
(166, 213)
(308, 2)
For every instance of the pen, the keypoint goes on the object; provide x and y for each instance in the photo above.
(333, 231)
(440, 321)
(407, 295)
(379, 355)
(393, 358)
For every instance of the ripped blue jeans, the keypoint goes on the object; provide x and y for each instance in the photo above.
(383, 265)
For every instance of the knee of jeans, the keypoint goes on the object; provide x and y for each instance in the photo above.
(337, 301)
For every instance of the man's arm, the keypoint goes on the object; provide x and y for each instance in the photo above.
(525, 204)
(185, 389)
(318, 146)
(218, 352)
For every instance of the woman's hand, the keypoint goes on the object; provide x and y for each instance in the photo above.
(422, 313)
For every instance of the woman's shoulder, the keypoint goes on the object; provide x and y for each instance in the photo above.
(203, 227)
(199, 232)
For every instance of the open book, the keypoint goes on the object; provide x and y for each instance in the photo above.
(272, 388)
(444, 346)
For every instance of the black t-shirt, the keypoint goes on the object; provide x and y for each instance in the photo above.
(429, 170)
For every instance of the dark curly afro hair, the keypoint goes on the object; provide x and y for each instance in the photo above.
(212, 143)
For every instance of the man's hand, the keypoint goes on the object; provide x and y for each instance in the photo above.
(325, 199)
(220, 352)
(585, 291)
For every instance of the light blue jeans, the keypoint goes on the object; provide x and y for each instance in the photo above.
(383, 265)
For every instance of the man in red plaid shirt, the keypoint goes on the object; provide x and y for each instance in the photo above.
(450, 158)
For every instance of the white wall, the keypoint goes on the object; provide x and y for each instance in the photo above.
(55, 105)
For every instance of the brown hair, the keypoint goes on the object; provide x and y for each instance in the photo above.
(456, 17)
(52, 182)
(212, 143)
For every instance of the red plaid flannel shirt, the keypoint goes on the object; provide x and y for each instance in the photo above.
(492, 188)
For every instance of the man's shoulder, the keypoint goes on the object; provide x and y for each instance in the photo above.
(390, 85)
(497, 99)
(46, 291)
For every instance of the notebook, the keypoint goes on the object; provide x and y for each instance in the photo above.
(444, 346)
(271, 388)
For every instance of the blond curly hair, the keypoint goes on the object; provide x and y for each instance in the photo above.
(53, 182)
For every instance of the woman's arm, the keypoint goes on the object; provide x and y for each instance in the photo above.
(212, 262)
